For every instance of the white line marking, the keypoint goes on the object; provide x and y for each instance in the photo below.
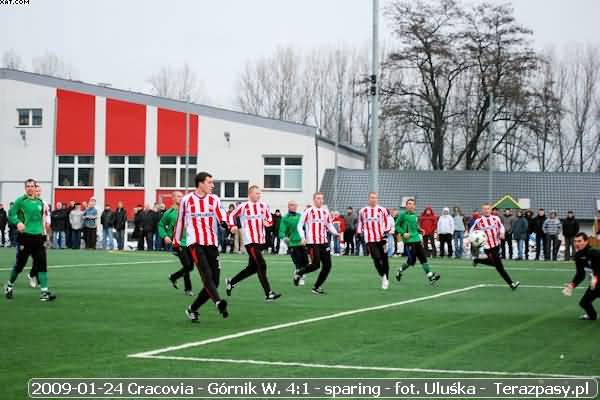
(523, 286)
(296, 323)
(99, 264)
(358, 367)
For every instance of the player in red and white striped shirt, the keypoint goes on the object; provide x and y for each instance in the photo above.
(199, 213)
(494, 231)
(374, 224)
(312, 228)
(254, 216)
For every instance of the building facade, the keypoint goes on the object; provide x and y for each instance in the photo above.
(82, 140)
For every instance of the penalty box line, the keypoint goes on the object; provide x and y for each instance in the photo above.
(154, 353)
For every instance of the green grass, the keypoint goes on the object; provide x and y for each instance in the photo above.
(105, 312)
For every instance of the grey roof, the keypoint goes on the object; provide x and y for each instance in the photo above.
(142, 98)
(468, 189)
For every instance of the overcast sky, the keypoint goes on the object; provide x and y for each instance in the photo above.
(123, 42)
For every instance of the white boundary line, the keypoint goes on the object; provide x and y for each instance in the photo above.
(296, 323)
(101, 264)
(155, 354)
(456, 372)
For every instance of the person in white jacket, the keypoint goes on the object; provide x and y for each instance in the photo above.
(445, 229)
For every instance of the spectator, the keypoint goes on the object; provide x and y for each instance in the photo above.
(138, 231)
(570, 229)
(76, 221)
(84, 206)
(90, 215)
(428, 223)
(472, 219)
(275, 241)
(540, 237)
(552, 228)
(148, 218)
(238, 239)
(530, 230)
(459, 232)
(338, 222)
(445, 230)
(360, 244)
(68, 234)
(349, 232)
(508, 219)
(520, 231)
(397, 238)
(120, 223)
(392, 240)
(157, 213)
(107, 219)
(58, 223)
(12, 231)
(3, 223)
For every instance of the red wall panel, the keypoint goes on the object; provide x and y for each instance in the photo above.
(67, 195)
(130, 199)
(171, 133)
(75, 123)
(125, 128)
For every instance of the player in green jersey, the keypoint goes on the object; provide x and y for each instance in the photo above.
(166, 226)
(27, 214)
(407, 225)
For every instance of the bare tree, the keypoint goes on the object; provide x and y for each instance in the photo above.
(429, 61)
(11, 59)
(584, 76)
(180, 83)
(50, 64)
(308, 88)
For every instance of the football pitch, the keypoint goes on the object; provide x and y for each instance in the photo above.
(117, 316)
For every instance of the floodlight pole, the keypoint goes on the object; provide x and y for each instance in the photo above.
(374, 142)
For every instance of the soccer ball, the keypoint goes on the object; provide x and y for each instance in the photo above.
(477, 238)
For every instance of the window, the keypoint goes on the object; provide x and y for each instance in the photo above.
(231, 190)
(172, 171)
(29, 116)
(191, 177)
(136, 177)
(168, 177)
(283, 172)
(126, 171)
(193, 160)
(242, 189)
(75, 171)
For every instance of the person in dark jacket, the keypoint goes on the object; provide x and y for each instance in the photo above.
(107, 219)
(58, 223)
(157, 214)
(120, 224)
(149, 226)
(587, 260)
(520, 233)
(276, 242)
(540, 236)
(68, 231)
(570, 228)
(12, 230)
(138, 229)
(3, 223)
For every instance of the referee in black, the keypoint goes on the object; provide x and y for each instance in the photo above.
(586, 260)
